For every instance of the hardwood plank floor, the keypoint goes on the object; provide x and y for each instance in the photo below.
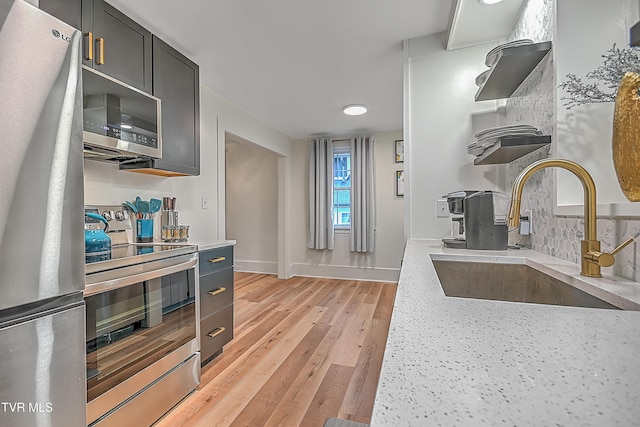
(304, 349)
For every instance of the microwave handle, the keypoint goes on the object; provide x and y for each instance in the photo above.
(109, 285)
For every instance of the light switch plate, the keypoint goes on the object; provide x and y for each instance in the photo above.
(205, 202)
(442, 209)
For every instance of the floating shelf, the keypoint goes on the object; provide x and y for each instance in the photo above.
(513, 66)
(510, 148)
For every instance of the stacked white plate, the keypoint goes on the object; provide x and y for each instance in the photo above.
(482, 78)
(492, 56)
(489, 137)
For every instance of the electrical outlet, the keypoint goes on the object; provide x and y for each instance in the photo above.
(526, 227)
(205, 202)
(442, 209)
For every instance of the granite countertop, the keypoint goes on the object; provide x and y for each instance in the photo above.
(455, 361)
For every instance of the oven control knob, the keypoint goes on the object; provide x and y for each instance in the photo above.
(108, 215)
(120, 215)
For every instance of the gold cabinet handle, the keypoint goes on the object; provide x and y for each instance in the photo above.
(100, 43)
(88, 45)
(216, 332)
(219, 259)
(217, 291)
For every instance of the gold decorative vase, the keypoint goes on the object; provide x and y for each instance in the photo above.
(626, 136)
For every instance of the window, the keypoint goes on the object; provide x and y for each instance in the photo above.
(342, 185)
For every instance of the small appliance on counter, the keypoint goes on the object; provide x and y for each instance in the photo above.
(172, 231)
(478, 220)
(455, 202)
(485, 218)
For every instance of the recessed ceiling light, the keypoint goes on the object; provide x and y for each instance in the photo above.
(489, 1)
(355, 109)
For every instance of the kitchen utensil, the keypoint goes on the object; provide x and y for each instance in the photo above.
(137, 202)
(144, 208)
(131, 207)
(155, 205)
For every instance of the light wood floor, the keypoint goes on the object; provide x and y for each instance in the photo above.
(304, 349)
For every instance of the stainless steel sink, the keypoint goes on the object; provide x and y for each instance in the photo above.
(510, 282)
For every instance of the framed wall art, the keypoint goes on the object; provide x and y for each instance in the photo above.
(399, 151)
(400, 183)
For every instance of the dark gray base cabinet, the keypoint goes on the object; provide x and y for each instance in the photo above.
(216, 301)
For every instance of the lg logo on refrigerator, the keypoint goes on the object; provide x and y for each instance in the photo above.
(57, 34)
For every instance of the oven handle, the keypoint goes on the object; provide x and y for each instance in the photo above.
(108, 285)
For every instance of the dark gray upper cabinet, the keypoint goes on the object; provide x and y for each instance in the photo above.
(176, 81)
(69, 11)
(113, 43)
(132, 55)
(116, 45)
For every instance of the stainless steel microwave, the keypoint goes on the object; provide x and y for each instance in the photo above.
(120, 123)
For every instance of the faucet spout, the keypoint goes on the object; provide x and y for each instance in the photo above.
(590, 244)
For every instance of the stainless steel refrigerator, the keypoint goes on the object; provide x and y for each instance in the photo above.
(42, 345)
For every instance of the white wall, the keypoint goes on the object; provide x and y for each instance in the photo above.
(252, 206)
(584, 133)
(441, 117)
(384, 262)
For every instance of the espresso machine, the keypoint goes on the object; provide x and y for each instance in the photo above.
(478, 220)
(485, 218)
(455, 202)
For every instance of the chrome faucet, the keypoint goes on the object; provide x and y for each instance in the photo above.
(591, 257)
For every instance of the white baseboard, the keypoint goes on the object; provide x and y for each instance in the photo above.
(248, 266)
(347, 272)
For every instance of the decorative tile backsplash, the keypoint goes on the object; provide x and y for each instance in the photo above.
(532, 104)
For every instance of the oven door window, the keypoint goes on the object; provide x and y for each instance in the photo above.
(130, 328)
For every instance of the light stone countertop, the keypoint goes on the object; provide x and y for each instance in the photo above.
(469, 362)
(205, 245)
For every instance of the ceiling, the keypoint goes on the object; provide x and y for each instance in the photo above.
(293, 64)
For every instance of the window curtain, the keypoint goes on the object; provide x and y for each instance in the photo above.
(362, 235)
(321, 194)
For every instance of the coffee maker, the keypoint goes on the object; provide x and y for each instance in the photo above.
(485, 217)
(483, 225)
(455, 202)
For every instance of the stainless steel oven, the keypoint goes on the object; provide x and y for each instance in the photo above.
(142, 352)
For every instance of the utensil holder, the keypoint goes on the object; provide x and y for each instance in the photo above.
(144, 230)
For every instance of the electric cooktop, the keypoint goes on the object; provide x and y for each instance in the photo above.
(130, 254)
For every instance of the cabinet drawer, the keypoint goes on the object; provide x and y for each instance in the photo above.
(216, 259)
(215, 331)
(216, 291)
